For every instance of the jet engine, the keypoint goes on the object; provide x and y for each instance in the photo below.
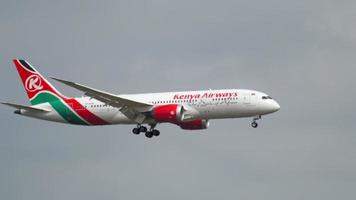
(195, 124)
(172, 113)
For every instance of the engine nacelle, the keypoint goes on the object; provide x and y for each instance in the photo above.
(172, 113)
(195, 124)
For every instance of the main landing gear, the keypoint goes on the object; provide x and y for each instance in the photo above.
(254, 124)
(148, 133)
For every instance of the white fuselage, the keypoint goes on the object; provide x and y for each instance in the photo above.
(207, 104)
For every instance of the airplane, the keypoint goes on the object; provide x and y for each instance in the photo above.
(190, 110)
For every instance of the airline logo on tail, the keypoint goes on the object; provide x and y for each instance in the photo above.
(33, 83)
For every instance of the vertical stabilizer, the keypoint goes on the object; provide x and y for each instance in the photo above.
(38, 89)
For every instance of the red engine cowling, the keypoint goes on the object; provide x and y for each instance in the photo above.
(195, 124)
(172, 113)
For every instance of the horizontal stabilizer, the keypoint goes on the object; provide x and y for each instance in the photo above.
(22, 107)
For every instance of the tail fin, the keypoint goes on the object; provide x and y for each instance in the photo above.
(38, 89)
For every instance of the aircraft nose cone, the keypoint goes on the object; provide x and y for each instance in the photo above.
(275, 106)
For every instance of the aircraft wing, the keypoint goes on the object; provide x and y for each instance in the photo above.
(130, 108)
(22, 107)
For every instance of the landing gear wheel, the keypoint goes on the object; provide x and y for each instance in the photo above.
(148, 134)
(143, 129)
(254, 124)
(136, 131)
(155, 132)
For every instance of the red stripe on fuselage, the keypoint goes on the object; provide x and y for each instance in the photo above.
(85, 113)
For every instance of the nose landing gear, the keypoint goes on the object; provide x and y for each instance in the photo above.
(254, 124)
(148, 133)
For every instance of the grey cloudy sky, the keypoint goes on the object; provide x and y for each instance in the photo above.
(300, 52)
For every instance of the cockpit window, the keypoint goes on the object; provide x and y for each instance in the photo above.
(266, 97)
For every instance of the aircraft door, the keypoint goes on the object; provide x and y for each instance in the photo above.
(247, 98)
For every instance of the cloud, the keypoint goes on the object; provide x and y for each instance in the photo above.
(299, 52)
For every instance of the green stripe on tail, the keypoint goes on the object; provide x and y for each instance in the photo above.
(59, 106)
